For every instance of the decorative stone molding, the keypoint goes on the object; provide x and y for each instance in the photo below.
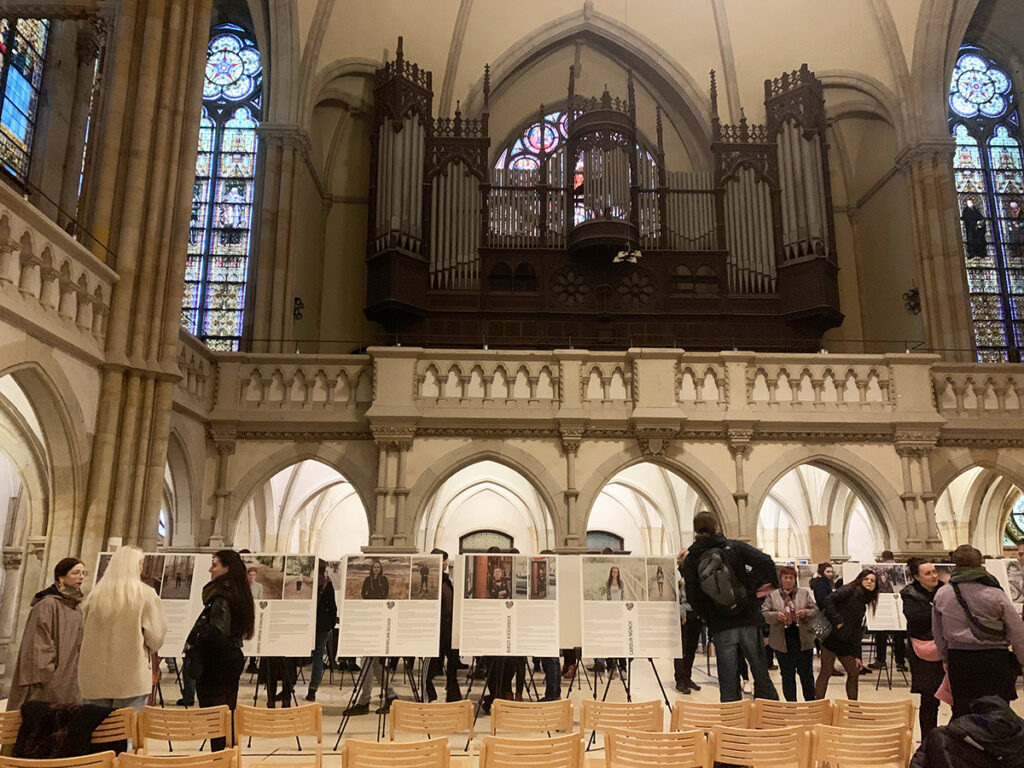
(936, 151)
(285, 135)
(13, 557)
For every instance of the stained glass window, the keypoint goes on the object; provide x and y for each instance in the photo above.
(220, 233)
(22, 52)
(985, 124)
(1014, 532)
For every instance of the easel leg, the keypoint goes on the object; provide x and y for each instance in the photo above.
(657, 677)
(356, 688)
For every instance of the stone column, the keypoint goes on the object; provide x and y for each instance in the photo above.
(9, 627)
(938, 244)
(87, 46)
(739, 447)
(223, 438)
(378, 537)
(575, 527)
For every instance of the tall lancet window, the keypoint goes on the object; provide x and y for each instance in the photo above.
(985, 123)
(222, 202)
(22, 51)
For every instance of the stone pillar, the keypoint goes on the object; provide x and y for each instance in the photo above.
(223, 438)
(739, 447)
(9, 627)
(938, 244)
(378, 536)
(87, 46)
(145, 169)
(575, 538)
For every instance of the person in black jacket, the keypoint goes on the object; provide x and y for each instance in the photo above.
(737, 628)
(326, 618)
(926, 674)
(824, 584)
(845, 610)
(213, 650)
(448, 655)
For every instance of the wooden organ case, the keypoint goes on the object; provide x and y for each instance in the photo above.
(600, 246)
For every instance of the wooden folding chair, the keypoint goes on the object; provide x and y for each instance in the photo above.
(119, 725)
(225, 758)
(705, 715)
(783, 714)
(98, 760)
(556, 752)
(10, 722)
(429, 720)
(861, 746)
(432, 753)
(285, 723)
(172, 725)
(788, 747)
(846, 712)
(531, 716)
(635, 749)
(604, 716)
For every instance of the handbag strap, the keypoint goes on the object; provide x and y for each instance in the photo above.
(971, 617)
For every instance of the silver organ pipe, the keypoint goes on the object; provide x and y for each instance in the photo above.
(805, 221)
(751, 263)
(399, 209)
(455, 227)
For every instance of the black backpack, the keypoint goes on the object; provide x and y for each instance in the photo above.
(718, 580)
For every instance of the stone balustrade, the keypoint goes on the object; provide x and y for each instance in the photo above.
(50, 280)
(878, 397)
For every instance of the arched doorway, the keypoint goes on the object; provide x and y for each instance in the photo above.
(815, 495)
(981, 506)
(649, 507)
(486, 496)
(306, 507)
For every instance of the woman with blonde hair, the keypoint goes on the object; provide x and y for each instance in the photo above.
(124, 627)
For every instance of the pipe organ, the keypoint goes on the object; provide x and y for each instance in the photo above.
(591, 240)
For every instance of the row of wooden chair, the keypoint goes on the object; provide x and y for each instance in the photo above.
(793, 746)
(198, 725)
(227, 758)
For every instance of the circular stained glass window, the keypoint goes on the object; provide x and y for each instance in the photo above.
(232, 68)
(550, 137)
(978, 87)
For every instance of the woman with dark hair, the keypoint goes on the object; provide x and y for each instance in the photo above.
(47, 668)
(614, 589)
(213, 650)
(375, 586)
(789, 612)
(845, 609)
(926, 670)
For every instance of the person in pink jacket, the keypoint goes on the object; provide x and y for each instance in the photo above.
(975, 624)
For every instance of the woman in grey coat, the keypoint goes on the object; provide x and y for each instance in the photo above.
(790, 611)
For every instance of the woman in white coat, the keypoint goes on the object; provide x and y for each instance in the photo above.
(124, 627)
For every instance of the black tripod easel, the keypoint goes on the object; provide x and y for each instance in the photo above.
(387, 674)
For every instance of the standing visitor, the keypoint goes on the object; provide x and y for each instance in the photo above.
(448, 656)
(326, 618)
(926, 671)
(47, 667)
(789, 612)
(693, 627)
(974, 622)
(213, 649)
(725, 581)
(124, 626)
(845, 609)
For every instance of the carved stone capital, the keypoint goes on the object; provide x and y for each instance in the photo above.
(936, 151)
(285, 135)
(914, 443)
(394, 437)
(739, 442)
(223, 437)
(13, 557)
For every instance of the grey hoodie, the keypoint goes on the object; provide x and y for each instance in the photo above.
(990, 605)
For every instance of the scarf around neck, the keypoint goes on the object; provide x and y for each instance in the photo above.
(974, 574)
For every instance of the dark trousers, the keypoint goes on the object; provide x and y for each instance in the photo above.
(691, 639)
(219, 683)
(552, 678)
(973, 674)
(899, 646)
(928, 714)
(796, 662)
(452, 692)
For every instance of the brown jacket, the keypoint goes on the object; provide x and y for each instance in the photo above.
(773, 606)
(47, 668)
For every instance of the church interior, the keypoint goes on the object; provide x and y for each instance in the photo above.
(308, 276)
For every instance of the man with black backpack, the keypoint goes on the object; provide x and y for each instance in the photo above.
(725, 582)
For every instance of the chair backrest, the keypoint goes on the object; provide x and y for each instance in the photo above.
(756, 748)
(10, 722)
(435, 719)
(184, 724)
(98, 760)
(873, 713)
(621, 715)
(119, 725)
(634, 749)
(263, 723)
(860, 745)
(531, 716)
(556, 752)
(225, 758)
(706, 714)
(783, 714)
(432, 753)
